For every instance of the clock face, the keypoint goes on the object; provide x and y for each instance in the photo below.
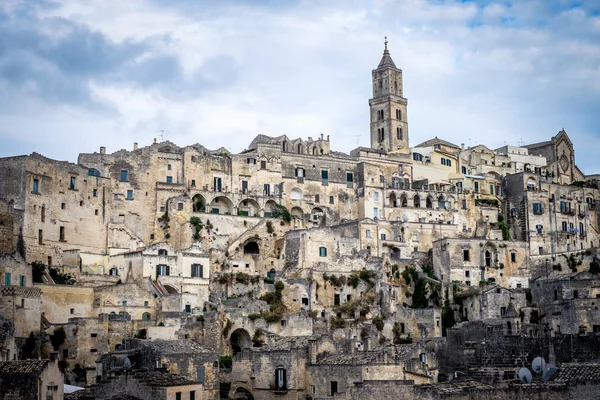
(563, 161)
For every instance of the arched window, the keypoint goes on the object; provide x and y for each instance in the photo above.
(399, 133)
(146, 316)
(284, 146)
(162, 252)
(299, 149)
(417, 201)
(396, 86)
(381, 134)
(315, 151)
(488, 258)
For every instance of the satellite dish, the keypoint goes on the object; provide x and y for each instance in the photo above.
(404, 218)
(538, 365)
(525, 375)
(127, 363)
(549, 372)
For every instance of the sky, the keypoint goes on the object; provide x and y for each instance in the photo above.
(79, 74)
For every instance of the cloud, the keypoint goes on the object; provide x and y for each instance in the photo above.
(220, 73)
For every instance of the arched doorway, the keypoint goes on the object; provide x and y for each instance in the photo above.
(417, 201)
(251, 248)
(393, 201)
(441, 202)
(403, 200)
(297, 213)
(316, 215)
(240, 340)
(248, 208)
(221, 205)
(270, 207)
(198, 203)
(429, 202)
(242, 394)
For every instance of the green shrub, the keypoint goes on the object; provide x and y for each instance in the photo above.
(379, 322)
(225, 362)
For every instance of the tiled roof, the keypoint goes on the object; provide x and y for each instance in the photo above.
(358, 358)
(161, 379)
(578, 373)
(23, 367)
(173, 346)
(434, 141)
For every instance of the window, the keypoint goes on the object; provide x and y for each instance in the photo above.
(193, 395)
(267, 189)
(336, 299)
(169, 167)
(443, 161)
(538, 208)
(322, 251)
(94, 192)
(383, 236)
(466, 255)
(146, 303)
(575, 294)
(317, 198)
(491, 189)
(349, 177)
(375, 212)
(21, 280)
(36, 185)
(73, 183)
(305, 301)
(330, 199)
(283, 321)
(513, 257)
(124, 303)
(399, 133)
(169, 179)
(162, 270)
(280, 378)
(502, 311)
(96, 212)
(398, 114)
(62, 233)
(467, 274)
(563, 207)
(476, 187)
(368, 233)
(179, 206)
(64, 206)
(124, 175)
(488, 258)
(178, 396)
(324, 175)
(251, 161)
(565, 226)
(244, 187)
(263, 165)
(72, 311)
(417, 157)
(193, 183)
(197, 271)
(130, 195)
(376, 196)
(40, 237)
(7, 279)
(188, 308)
(463, 169)
(334, 387)
(464, 204)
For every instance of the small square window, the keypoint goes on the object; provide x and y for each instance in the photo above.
(130, 195)
(95, 212)
(169, 179)
(72, 311)
(169, 167)
(193, 182)
(179, 206)
(330, 199)
(95, 192)
(63, 206)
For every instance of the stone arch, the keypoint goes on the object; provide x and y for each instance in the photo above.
(297, 213)
(251, 247)
(146, 316)
(198, 203)
(314, 151)
(417, 201)
(441, 202)
(403, 200)
(240, 340)
(221, 205)
(395, 253)
(393, 200)
(384, 234)
(170, 289)
(270, 207)
(249, 208)
(240, 392)
(296, 194)
(429, 202)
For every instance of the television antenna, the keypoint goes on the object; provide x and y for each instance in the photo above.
(549, 372)
(163, 135)
(357, 138)
(538, 365)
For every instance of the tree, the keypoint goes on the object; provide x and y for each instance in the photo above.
(448, 320)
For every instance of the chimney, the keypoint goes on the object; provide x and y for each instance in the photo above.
(154, 140)
(321, 136)
(310, 139)
(462, 146)
(135, 146)
(328, 138)
(102, 150)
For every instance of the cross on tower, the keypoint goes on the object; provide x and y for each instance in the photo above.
(385, 42)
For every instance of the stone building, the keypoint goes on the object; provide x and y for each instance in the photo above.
(31, 380)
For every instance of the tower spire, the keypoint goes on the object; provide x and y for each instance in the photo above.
(385, 43)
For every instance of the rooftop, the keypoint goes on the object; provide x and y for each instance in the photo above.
(578, 373)
(23, 366)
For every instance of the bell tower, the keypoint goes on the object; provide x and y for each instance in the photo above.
(389, 123)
